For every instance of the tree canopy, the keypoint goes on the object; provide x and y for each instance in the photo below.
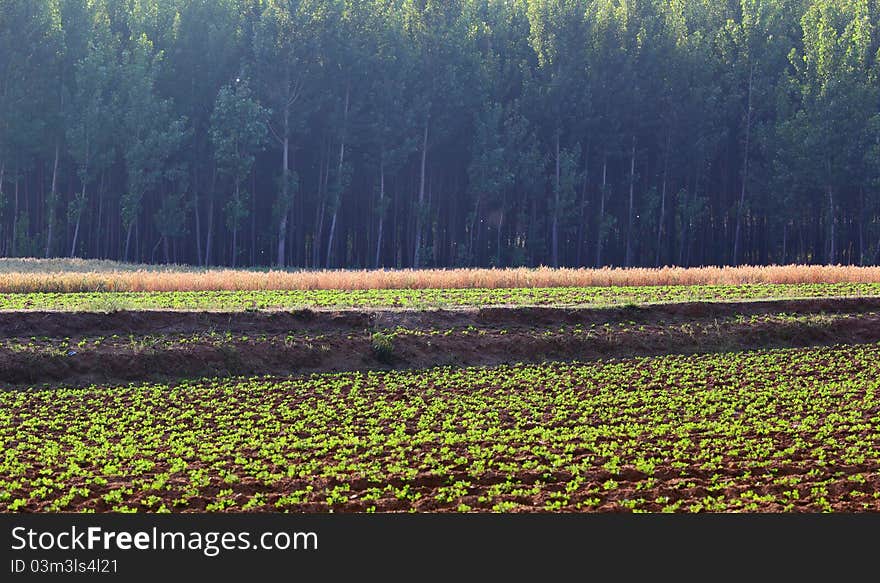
(416, 133)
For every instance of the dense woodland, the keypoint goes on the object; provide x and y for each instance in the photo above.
(418, 133)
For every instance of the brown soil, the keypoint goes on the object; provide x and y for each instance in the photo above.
(21, 324)
(343, 339)
(733, 477)
(675, 485)
(78, 324)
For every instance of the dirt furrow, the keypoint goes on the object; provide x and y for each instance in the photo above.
(491, 344)
(18, 324)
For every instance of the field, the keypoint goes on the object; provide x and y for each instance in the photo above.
(764, 431)
(425, 298)
(714, 396)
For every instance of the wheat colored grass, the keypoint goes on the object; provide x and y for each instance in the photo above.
(35, 275)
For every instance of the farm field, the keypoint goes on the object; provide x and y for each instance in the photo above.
(425, 298)
(48, 348)
(781, 430)
(277, 257)
(713, 396)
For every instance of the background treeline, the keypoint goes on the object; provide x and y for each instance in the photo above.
(400, 133)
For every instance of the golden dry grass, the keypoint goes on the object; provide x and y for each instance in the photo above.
(34, 275)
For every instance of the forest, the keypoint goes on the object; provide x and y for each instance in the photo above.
(441, 133)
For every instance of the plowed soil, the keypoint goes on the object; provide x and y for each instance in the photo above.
(791, 430)
(34, 323)
(41, 348)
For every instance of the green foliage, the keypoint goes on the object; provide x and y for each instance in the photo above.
(312, 115)
(432, 298)
(383, 346)
(238, 133)
(172, 216)
(238, 130)
(783, 430)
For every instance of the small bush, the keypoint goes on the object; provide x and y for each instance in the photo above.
(383, 346)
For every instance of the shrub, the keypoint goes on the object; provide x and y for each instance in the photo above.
(383, 347)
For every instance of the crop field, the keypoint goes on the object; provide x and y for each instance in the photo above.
(179, 390)
(425, 298)
(45, 349)
(784, 430)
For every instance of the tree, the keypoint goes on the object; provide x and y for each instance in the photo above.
(192, 81)
(438, 34)
(561, 84)
(94, 115)
(443, 133)
(752, 49)
(489, 175)
(153, 136)
(31, 46)
(825, 139)
(286, 54)
(238, 133)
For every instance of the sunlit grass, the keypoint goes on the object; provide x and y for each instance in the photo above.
(62, 275)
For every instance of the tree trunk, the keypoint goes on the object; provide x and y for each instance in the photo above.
(417, 250)
(684, 229)
(128, 240)
(630, 214)
(338, 193)
(15, 218)
(253, 199)
(785, 230)
(381, 209)
(499, 232)
(600, 231)
(742, 196)
(291, 97)
(52, 202)
(323, 180)
(210, 234)
(75, 235)
(198, 223)
(832, 231)
(237, 195)
(108, 233)
(100, 215)
(284, 207)
(472, 232)
(662, 218)
(155, 248)
(862, 257)
(234, 243)
(80, 210)
(554, 235)
(330, 237)
(582, 208)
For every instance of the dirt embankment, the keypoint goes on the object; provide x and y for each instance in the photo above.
(283, 343)
(22, 324)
